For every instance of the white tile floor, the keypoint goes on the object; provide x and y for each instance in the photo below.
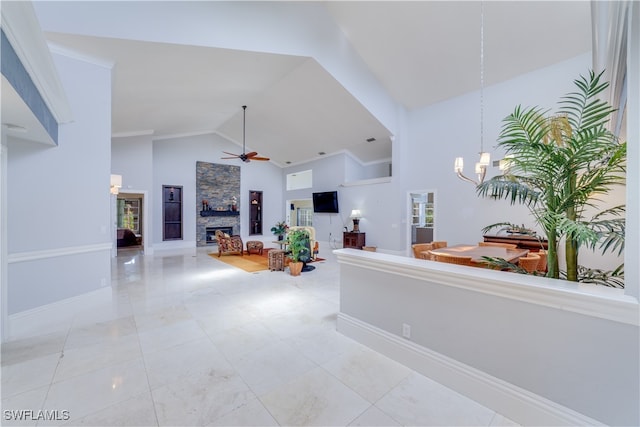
(189, 340)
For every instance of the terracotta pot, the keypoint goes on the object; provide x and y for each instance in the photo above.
(295, 268)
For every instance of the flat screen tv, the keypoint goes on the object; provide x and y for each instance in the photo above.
(325, 202)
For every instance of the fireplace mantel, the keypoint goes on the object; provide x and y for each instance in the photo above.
(219, 213)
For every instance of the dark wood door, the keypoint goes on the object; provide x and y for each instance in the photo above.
(172, 212)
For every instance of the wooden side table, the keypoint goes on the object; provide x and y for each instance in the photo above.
(276, 260)
(355, 240)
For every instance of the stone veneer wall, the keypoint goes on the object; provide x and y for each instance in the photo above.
(217, 184)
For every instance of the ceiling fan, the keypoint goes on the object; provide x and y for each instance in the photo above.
(245, 157)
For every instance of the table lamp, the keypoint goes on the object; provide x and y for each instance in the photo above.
(355, 216)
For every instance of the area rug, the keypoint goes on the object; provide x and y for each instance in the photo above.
(249, 263)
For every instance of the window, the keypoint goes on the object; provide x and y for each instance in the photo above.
(299, 180)
(423, 208)
(422, 217)
(129, 214)
(304, 217)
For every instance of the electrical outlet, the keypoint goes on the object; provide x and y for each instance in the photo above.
(406, 330)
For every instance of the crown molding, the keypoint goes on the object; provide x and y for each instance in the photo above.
(74, 54)
(133, 133)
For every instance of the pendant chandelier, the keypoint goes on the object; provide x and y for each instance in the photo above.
(485, 157)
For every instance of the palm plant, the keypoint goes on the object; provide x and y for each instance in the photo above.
(559, 165)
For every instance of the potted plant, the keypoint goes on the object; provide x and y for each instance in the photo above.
(298, 243)
(280, 229)
(559, 166)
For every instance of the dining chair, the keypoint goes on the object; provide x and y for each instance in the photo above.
(439, 244)
(418, 248)
(499, 245)
(542, 264)
(529, 262)
(428, 255)
(453, 259)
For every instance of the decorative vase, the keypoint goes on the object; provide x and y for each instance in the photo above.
(295, 268)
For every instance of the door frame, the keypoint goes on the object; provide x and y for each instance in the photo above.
(146, 243)
(409, 209)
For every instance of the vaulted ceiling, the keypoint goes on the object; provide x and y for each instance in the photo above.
(422, 52)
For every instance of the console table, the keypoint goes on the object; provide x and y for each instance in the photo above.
(523, 241)
(353, 240)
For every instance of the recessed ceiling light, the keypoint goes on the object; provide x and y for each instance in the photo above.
(370, 139)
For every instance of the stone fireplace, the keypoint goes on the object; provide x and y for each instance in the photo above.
(217, 191)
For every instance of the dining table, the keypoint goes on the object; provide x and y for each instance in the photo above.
(477, 252)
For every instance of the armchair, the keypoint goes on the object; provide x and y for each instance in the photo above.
(228, 245)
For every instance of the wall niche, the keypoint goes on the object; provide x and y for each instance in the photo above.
(255, 212)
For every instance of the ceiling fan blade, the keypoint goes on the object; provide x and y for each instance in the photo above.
(260, 158)
(234, 157)
(252, 154)
(232, 154)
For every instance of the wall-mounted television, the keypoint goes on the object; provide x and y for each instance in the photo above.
(325, 202)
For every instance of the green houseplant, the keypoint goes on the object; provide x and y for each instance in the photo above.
(280, 229)
(298, 246)
(558, 167)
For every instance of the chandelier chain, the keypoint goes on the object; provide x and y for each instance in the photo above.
(481, 77)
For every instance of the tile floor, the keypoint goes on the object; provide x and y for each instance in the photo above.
(187, 340)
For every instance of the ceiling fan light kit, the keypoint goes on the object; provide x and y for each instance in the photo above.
(245, 157)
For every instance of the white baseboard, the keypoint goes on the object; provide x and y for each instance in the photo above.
(174, 244)
(518, 404)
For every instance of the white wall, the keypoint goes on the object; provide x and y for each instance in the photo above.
(574, 346)
(132, 157)
(328, 174)
(357, 171)
(451, 128)
(376, 169)
(265, 177)
(353, 169)
(381, 204)
(58, 199)
(174, 163)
